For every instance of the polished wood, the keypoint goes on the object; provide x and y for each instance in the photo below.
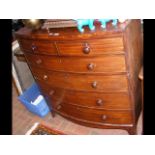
(117, 101)
(129, 127)
(141, 74)
(91, 64)
(90, 78)
(91, 47)
(134, 53)
(72, 34)
(86, 48)
(85, 82)
(105, 116)
(36, 46)
(141, 77)
(26, 45)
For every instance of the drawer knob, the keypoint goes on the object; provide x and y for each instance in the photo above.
(99, 102)
(34, 47)
(58, 107)
(94, 84)
(51, 92)
(39, 61)
(86, 49)
(45, 77)
(104, 117)
(90, 66)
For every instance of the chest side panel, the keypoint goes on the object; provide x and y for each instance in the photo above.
(133, 48)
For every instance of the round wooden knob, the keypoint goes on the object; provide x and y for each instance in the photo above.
(45, 77)
(86, 49)
(58, 107)
(34, 47)
(39, 61)
(104, 117)
(90, 66)
(51, 92)
(94, 84)
(99, 102)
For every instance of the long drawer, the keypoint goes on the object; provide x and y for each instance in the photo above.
(99, 115)
(91, 47)
(83, 82)
(117, 101)
(38, 46)
(106, 64)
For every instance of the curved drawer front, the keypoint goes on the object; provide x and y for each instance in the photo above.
(45, 62)
(106, 64)
(102, 116)
(83, 82)
(98, 100)
(35, 46)
(91, 47)
(26, 45)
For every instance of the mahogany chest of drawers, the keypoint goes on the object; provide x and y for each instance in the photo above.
(90, 78)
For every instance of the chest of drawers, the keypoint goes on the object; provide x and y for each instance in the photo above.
(90, 78)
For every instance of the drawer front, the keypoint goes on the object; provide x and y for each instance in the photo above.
(26, 45)
(106, 64)
(101, 116)
(45, 62)
(117, 101)
(91, 47)
(42, 47)
(83, 82)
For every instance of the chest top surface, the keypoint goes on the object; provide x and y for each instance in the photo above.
(72, 33)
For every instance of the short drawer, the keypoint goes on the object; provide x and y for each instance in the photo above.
(38, 46)
(117, 101)
(99, 115)
(102, 64)
(45, 62)
(26, 45)
(91, 47)
(83, 82)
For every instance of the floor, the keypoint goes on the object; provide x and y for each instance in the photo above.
(23, 120)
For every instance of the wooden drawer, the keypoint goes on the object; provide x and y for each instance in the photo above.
(99, 115)
(117, 101)
(102, 64)
(91, 47)
(83, 82)
(26, 45)
(36, 46)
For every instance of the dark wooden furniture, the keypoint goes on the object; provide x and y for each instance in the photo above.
(141, 77)
(89, 78)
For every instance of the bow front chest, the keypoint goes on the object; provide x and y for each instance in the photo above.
(90, 78)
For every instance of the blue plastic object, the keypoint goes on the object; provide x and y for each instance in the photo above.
(104, 21)
(85, 22)
(41, 109)
(90, 23)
